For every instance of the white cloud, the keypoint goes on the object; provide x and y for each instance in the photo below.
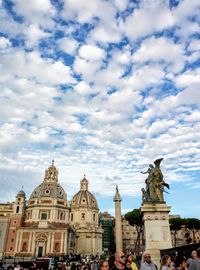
(86, 68)
(161, 49)
(149, 17)
(185, 8)
(77, 9)
(193, 117)
(160, 126)
(4, 43)
(121, 5)
(194, 45)
(188, 78)
(83, 88)
(153, 74)
(32, 66)
(123, 101)
(36, 11)
(34, 34)
(91, 52)
(190, 95)
(68, 45)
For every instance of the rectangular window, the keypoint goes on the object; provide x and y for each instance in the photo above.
(72, 217)
(44, 216)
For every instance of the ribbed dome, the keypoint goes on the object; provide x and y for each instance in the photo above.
(53, 190)
(84, 198)
(49, 187)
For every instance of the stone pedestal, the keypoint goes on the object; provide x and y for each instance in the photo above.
(156, 227)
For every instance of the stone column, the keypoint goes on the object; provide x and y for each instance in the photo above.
(118, 221)
(48, 243)
(20, 241)
(52, 242)
(61, 242)
(30, 241)
(33, 245)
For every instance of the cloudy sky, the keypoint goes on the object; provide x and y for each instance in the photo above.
(103, 88)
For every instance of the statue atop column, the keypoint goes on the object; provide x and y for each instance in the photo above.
(154, 184)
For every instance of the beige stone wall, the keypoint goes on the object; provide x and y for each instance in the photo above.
(129, 236)
(53, 242)
(4, 225)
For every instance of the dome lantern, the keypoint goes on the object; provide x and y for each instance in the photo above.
(84, 184)
(51, 174)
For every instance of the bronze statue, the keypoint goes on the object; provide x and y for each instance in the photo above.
(154, 183)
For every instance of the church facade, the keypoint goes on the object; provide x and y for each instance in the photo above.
(49, 225)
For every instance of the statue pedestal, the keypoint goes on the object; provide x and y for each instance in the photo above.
(156, 229)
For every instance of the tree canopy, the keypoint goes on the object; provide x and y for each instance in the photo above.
(134, 217)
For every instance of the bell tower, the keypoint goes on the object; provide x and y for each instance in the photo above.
(19, 204)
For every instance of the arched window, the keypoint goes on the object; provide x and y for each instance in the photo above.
(82, 216)
(24, 247)
(57, 248)
(17, 209)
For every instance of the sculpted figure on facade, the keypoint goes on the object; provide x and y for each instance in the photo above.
(154, 183)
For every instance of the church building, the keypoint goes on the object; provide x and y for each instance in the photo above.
(49, 225)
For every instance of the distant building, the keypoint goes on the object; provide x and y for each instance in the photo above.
(85, 221)
(49, 225)
(185, 236)
(107, 223)
(6, 210)
(129, 236)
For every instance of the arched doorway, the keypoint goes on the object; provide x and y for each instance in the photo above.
(41, 242)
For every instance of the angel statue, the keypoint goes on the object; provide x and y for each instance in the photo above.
(154, 183)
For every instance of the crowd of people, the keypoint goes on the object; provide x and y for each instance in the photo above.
(120, 261)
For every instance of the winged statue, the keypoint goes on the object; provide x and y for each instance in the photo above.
(154, 183)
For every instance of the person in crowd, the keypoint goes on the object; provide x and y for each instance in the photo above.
(195, 263)
(1, 265)
(166, 263)
(111, 262)
(120, 261)
(10, 267)
(147, 264)
(193, 256)
(68, 266)
(17, 266)
(104, 265)
(131, 260)
(128, 265)
(180, 262)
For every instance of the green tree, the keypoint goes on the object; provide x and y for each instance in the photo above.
(134, 218)
(175, 225)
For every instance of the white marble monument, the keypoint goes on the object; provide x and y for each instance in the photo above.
(155, 213)
(157, 231)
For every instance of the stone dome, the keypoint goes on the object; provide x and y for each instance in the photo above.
(50, 186)
(84, 198)
(21, 193)
(52, 190)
